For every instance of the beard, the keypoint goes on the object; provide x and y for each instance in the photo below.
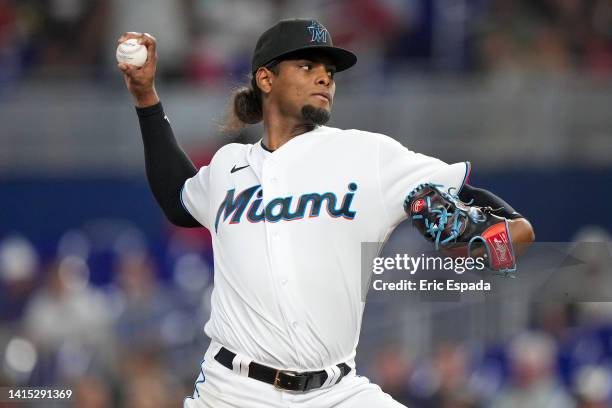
(315, 116)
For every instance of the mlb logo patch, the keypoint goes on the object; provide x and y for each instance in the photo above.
(318, 33)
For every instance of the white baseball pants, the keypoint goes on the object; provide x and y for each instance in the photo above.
(219, 387)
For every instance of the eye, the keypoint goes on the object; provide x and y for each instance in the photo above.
(308, 66)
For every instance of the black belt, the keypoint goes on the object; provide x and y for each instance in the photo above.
(282, 379)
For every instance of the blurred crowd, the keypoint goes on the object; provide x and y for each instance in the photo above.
(559, 361)
(133, 340)
(210, 41)
(120, 323)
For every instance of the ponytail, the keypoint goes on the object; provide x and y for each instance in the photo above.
(245, 108)
(246, 105)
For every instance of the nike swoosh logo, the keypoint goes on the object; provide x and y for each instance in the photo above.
(235, 169)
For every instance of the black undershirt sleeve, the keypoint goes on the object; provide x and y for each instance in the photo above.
(484, 198)
(167, 165)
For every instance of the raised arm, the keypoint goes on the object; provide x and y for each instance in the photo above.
(167, 165)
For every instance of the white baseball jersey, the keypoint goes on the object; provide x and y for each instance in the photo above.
(287, 228)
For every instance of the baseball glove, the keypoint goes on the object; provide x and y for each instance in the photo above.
(454, 226)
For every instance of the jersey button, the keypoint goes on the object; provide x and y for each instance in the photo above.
(284, 282)
(295, 325)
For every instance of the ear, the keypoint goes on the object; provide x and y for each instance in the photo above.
(264, 78)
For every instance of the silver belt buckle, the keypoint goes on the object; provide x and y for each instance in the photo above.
(277, 379)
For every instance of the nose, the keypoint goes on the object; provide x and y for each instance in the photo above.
(323, 78)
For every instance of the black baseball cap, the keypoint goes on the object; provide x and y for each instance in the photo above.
(295, 36)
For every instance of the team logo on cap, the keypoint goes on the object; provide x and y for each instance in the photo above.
(318, 33)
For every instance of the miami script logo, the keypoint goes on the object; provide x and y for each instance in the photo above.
(248, 204)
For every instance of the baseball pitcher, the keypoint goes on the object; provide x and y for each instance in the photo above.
(287, 217)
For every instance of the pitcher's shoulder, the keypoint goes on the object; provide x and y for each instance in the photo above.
(356, 135)
(230, 152)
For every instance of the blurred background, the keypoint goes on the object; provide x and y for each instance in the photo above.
(99, 293)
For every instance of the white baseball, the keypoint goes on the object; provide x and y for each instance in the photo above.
(132, 52)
